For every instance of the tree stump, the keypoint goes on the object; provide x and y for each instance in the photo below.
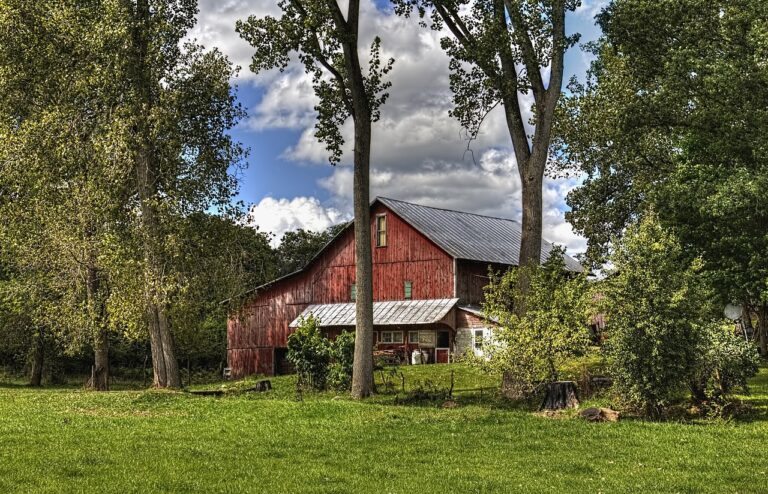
(561, 394)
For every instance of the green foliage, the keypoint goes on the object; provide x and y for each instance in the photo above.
(298, 247)
(310, 353)
(319, 362)
(656, 309)
(311, 30)
(672, 117)
(70, 118)
(725, 363)
(342, 359)
(532, 346)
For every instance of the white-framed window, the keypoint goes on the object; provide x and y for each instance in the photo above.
(413, 337)
(477, 339)
(427, 339)
(381, 230)
(408, 290)
(353, 292)
(391, 336)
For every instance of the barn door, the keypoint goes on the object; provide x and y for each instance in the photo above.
(443, 350)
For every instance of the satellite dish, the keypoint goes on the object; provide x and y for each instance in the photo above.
(733, 312)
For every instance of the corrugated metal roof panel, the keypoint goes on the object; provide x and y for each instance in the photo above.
(389, 313)
(470, 236)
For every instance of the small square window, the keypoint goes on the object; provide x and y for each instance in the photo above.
(381, 230)
(408, 290)
(413, 337)
(353, 292)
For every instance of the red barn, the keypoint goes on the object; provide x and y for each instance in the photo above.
(429, 269)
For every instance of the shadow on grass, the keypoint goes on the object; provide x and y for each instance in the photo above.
(14, 385)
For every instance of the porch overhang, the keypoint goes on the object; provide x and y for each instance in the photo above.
(388, 313)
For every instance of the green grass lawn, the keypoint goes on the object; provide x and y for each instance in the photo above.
(68, 440)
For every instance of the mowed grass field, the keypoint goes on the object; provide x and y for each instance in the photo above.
(69, 440)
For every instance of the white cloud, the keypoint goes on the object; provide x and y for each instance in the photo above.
(419, 153)
(590, 8)
(216, 27)
(282, 215)
(490, 188)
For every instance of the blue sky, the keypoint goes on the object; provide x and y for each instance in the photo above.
(418, 151)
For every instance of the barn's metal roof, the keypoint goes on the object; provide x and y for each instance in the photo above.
(470, 236)
(389, 313)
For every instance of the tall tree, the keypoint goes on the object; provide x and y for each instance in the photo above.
(181, 107)
(498, 51)
(61, 193)
(326, 41)
(672, 118)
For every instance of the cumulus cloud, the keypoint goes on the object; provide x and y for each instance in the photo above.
(216, 27)
(491, 188)
(278, 216)
(419, 153)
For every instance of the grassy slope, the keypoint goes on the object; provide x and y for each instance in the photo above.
(65, 440)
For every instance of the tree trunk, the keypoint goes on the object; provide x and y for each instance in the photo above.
(512, 388)
(38, 355)
(164, 364)
(532, 177)
(362, 368)
(762, 329)
(101, 362)
(560, 394)
(746, 320)
(100, 377)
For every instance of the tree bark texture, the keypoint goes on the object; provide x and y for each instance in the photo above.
(746, 319)
(762, 329)
(164, 364)
(100, 377)
(362, 369)
(38, 355)
(561, 394)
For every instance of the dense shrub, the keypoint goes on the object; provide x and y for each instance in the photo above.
(529, 348)
(664, 334)
(726, 362)
(342, 356)
(310, 353)
(653, 302)
(319, 362)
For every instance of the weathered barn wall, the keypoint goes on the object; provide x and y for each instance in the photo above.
(262, 324)
(472, 277)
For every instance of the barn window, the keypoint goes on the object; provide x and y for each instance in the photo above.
(478, 339)
(353, 292)
(391, 336)
(408, 290)
(381, 230)
(413, 337)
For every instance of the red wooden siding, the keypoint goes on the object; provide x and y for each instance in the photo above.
(263, 322)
